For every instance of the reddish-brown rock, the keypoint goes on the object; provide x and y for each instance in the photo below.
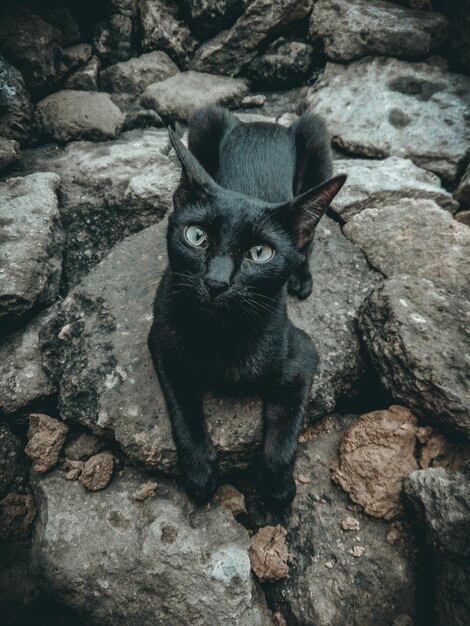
(97, 471)
(46, 436)
(269, 554)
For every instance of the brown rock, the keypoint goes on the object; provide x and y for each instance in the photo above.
(269, 554)
(145, 490)
(17, 512)
(350, 523)
(374, 456)
(278, 619)
(232, 499)
(46, 437)
(97, 471)
(436, 451)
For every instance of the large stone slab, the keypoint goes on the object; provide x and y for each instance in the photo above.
(160, 561)
(133, 76)
(31, 239)
(379, 107)
(232, 49)
(376, 183)
(95, 348)
(418, 338)
(351, 29)
(177, 97)
(414, 237)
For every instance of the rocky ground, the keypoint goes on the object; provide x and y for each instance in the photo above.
(94, 527)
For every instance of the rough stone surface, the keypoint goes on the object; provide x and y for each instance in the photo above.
(133, 76)
(162, 29)
(351, 29)
(97, 471)
(46, 436)
(12, 467)
(418, 338)
(96, 349)
(374, 456)
(380, 183)
(162, 561)
(229, 51)
(463, 217)
(31, 239)
(109, 190)
(17, 513)
(208, 17)
(379, 107)
(463, 190)
(69, 114)
(23, 379)
(177, 97)
(434, 450)
(15, 104)
(9, 152)
(414, 237)
(76, 55)
(232, 499)
(441, 501)
(284, 64)
(339, 577)
(269, 553)
(83, 447)
(85, 78)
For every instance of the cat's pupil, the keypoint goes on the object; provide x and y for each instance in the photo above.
(259, 250)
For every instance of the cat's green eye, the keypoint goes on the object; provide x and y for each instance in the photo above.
(196, 236)
(260, 253)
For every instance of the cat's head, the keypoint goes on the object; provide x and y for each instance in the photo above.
(225, 247)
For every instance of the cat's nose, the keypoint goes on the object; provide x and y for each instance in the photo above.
(216, 287)
(218, 274)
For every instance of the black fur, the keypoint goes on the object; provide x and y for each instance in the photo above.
(220, 318)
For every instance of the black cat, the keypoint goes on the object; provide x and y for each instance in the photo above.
(238, 239)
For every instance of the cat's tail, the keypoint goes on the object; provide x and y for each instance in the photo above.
(207, 128)
(313, 152)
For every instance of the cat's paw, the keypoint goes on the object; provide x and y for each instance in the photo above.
(301, 288)
(278, 491)
(200, 483)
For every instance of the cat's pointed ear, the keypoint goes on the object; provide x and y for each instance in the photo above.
(302, 214)
(195, 183)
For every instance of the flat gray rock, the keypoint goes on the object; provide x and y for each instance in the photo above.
(177, 97)
(381, 183)
(95, 348)
(339, 576)
(70, 114)
(161, 561)
(379, 107)
(351, 29)
(441, 502)
(31, 240)
(418, 338)
(230, 50)
(414, 237)
(133, 76)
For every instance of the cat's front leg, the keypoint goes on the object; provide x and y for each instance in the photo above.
(283, 412)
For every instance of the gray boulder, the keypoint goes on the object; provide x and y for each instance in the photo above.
(284, 64)
(15, 105)
(208, 17)
(414, 237)
(177, 97)
(76, 55)
(351, 29)
(161, 561)
(343, 570)
(418, 338)
(85, 78)
(229, 51)
(69, 114)
(133, 76)
(379, 107)
(9, 152)
(381, 183)
(441, 502)
(95, 348)
(30, 244)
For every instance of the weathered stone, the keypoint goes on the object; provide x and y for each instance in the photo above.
(186, 562)
(208, 17)
(284, 64)
(232, 49)
(46, 436)
(23, 379)
(133, 76)
(441, 501)
(251, 101)
(15, 105)
(97, 471)
(351, 29)
(434, 450)
(83, 447)
(380, 183)
(145, 490)
(11, 461)
(67, 115)
(96, 346)
(374, 456)
(463, 217)
(76, 55)
(329, 584)
(162, 29)
(113, 39)
(17, 513)
(30, 243)
(463, 191)
(418, 338)
(378, 107)
(177, 97)
(232, 499)
(109, 190)
(414, 237)
(9, 152)
(85, 78)
(269, 553)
